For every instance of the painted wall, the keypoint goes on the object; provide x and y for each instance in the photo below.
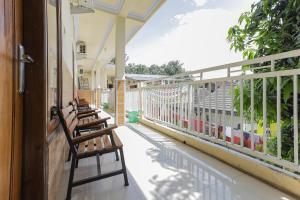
(58, 148)
(67, 45)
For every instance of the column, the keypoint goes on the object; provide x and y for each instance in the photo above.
(120, 70)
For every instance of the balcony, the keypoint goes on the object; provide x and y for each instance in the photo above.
(162, 168)
(239, 108)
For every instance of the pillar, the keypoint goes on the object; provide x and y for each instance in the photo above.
(120, 70)
(98, 98)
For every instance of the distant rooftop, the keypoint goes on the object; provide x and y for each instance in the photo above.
(142, 77)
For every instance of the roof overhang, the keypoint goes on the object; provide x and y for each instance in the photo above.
(97, 29)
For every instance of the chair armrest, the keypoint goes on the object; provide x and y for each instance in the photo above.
(80, 116)
(93, 123)
(86, 111)
(86, 137)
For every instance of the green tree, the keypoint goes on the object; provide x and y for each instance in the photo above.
(272, 26)
(136, 69)
(156, 70)
(171, 68)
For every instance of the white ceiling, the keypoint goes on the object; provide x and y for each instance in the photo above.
(97, 29)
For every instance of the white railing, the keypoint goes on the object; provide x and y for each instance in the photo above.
(104, 96)
(211, 104)
(132, 100)
(108, 97)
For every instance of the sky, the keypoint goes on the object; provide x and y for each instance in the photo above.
(191, 31)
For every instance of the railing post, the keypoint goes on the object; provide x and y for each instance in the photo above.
(252, 114)
(295, 113)
(141, 99)
(203, 109)
(265, 115)
(242, 112)
(181, 108)
(216, 111)
(209, 110)
(228, 72)
(224, 110)
(198, 109)
(231, 110)
(278, 123)
(190, 105)
(272, 65)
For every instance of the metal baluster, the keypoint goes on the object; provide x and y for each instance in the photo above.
(242, 113)
(216, 111)
(198, 108)
(252, 113)
(224, 110)
(265, 115)
(204, 109)
(295, 113)
(278, 123)
(232, 110)
(209, 110)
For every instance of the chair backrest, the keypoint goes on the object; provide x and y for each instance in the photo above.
(75, 105)
(77, 100)
(69, 122)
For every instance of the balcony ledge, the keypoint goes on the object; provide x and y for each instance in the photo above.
(277, 177)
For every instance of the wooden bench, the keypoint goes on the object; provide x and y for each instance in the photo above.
(82, 104)
(86, 122)
(89, 144)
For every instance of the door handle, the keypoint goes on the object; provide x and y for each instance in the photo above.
(23, 58)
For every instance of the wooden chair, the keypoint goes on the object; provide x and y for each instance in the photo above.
(94, 143)
(82, 104)
(86, 122)
(84, 113)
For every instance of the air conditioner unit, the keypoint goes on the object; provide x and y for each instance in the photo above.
(81, 50)
(82, 6)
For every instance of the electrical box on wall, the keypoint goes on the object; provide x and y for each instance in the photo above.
(82, 6)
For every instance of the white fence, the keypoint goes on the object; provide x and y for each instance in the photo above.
(108, 97)
(132, 100)
(240, 105)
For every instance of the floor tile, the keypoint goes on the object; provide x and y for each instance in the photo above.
(160, 168)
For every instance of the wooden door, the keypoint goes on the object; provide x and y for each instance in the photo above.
(11, 101)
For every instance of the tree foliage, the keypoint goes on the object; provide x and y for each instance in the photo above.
(171, 68)
(270, 27)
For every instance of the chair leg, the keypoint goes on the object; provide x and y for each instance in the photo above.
(124, 167)
(69, 192)
(76, 163)
(116, 152)
(69, 155)
(117, 155)
(98, 164)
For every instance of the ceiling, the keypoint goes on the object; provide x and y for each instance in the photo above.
(97, 29)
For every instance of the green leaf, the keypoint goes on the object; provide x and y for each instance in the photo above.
(287, 92)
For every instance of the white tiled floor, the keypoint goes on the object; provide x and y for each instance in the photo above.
(163, 169)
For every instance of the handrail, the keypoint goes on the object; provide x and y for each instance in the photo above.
(279, 56)
(206, 107)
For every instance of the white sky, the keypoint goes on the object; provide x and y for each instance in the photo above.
(197, 37)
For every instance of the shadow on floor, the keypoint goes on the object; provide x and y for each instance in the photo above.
(198, 176)
(111, 188)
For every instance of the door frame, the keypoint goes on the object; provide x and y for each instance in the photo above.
(34, 178)
(17, 134)
(37, 128)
